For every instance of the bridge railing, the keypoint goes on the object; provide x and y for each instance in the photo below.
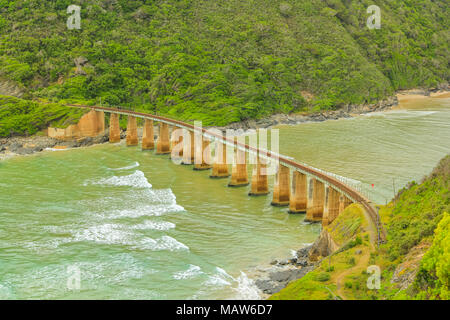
(329, 179)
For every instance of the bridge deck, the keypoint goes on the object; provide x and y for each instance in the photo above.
(338, 185)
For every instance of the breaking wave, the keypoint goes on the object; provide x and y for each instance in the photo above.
(136, 180)
(191, 272)
(135, 165)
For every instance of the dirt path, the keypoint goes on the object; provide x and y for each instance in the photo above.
(362, 264)
(362, 261)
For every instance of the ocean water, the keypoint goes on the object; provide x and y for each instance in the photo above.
(133, 225)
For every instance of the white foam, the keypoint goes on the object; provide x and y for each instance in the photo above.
(410, 113)
(294, 253)
(163, 243)
(107, 234)
(135, 165)
(136, 180)
(56, 149)
(148, 210)
(220, 278)
(191, 272)
(246, 288)
(154, 225)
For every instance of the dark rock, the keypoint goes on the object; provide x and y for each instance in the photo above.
(286, 275)
(269, 287)
(283, 262)
(303, 252)
(358, 251)
(274, 262)
(302, 262)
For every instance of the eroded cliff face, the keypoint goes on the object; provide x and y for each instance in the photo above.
(323, 247)
(92, 124)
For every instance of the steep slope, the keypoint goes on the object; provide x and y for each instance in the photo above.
(223, 61)
(414, 263)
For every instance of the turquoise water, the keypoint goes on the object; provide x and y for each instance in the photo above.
(136, 226)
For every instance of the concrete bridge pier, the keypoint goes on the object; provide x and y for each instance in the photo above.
(132, 137)
(148, 136)
(281, 189)
(188, 147)
(316, 199)
(220, 166)
(163, 142)
(239, 175)
(260, 184)
(298, 199)
(202, 159)
(100, 121)
(114, 128)
(177, 144)
(331, 210)
(344, 202)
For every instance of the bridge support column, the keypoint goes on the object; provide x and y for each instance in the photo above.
(177, 144)
(132, 137)
(220, 166)
(188, 148)
(148, 136)
(331, 210)
(114, 128)
(163, 142)
(281, 189)
(100, 121)
(202, 159)
(316, 199)
(260, 185)
(344, 202)
(239, 175)
(299, 197)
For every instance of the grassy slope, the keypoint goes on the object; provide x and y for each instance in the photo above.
(224, 61)
(349, 230)
(23, 117)
(418, 219)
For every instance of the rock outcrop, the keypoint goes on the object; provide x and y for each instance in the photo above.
(323, 246)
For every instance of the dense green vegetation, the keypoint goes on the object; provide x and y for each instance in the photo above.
(418, 210)
(416, 255)
(434, 275)
(23, 117)
(222, 62)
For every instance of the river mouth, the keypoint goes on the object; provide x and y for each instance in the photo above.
(137, 226)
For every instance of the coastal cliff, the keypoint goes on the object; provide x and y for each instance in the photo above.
(412, 264)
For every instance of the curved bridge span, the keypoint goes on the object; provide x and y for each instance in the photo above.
(321, 195)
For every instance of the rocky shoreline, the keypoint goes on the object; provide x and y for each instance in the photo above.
(347, 111)
(280, 273)
(14, 146)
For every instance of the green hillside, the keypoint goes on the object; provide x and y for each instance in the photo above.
(223, 61)
(414, 262)
(20, 117)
